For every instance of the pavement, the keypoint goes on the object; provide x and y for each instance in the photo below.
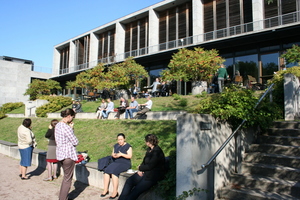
(13, 188)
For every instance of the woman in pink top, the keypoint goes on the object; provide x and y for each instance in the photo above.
(66, 154)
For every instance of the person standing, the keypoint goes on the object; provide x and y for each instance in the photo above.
(66, 154)
(150, 171)
(155, 86)
(51, 152)
(222, 75)
(26, 143)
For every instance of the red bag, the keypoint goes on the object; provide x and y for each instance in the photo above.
(80, 158)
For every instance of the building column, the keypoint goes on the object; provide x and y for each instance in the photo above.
(119, 42)
(258, 14)
(93, 50)
(154, 30)
(198, 21)
(56, 62)
(72, 57)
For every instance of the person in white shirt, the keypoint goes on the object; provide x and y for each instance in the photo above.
(148, 106)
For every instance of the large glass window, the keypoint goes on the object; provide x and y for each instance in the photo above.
(247, 65)
(269, 65)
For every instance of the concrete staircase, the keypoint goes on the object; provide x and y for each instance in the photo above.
(271, 168)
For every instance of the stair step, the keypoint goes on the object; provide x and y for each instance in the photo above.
(284, 132)
(275, 149)
(268, 184)
(280, 172)
(273, 159)
(286, 124)
(230, 193)
(284, 140)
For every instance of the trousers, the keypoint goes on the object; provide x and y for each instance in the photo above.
(135, 186)
(68, 166)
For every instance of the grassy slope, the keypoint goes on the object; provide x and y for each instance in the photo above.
(99, 136)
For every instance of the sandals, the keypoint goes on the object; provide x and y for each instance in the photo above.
(47, 179)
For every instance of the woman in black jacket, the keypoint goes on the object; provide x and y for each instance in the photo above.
(150, 171)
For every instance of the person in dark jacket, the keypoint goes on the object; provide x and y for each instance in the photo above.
(51, 153)
(150, 171)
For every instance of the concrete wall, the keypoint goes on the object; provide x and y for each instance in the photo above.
(199, 136)
(291, 97)
(14, 80)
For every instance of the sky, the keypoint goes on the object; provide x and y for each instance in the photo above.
(31, 28)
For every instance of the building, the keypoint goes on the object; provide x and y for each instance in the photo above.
(250, 34)
(16, 74)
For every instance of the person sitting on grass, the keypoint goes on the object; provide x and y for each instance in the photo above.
(148, 106)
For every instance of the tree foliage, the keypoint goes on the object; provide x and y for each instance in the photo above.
(123, 74)
(292, 55)
(195, 65)
(39, 87)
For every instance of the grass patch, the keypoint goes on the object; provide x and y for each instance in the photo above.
(99, 136)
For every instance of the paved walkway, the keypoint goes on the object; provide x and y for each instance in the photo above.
(13, 188)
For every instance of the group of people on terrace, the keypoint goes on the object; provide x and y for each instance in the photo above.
(62, 150)
(107, 106)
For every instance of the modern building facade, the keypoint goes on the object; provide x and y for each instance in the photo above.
(16, 74)
(250, 34)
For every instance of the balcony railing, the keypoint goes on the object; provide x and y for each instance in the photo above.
(273, 22)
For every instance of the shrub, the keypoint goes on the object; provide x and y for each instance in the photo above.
(7, 107)
(236, 104)
(183, 102)
(278, 80)
(176, 96)
(55, 103)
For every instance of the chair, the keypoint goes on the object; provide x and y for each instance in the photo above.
(252, 83)
(238, 79)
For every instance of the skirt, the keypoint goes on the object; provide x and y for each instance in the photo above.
(26, 156)
(51, 154)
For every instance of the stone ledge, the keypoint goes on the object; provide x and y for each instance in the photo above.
(151, 115)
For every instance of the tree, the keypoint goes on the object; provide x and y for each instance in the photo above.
(193, 65)
(53, 85)
(90, 79)
(39, 87)
(292, 55)
(196, 65)
(122, 75)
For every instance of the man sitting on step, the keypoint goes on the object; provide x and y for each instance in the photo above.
(148, 106)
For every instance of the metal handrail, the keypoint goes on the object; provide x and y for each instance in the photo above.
(232, 135)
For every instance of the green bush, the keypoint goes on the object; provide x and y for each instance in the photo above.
(2, 114)
(236, 104)
(183, 102)
(55, 103)
(278, 80)
(176, 96)
(7, 107)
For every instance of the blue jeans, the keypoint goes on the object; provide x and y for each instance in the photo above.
(130, 112)
(105, 113)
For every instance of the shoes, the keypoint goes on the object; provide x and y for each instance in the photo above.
(54, 177)
(24, 178)
(47, 179)
(111, 197)
(103, 195)
(20, 175)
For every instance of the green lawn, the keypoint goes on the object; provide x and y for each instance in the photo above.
(99, 136)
